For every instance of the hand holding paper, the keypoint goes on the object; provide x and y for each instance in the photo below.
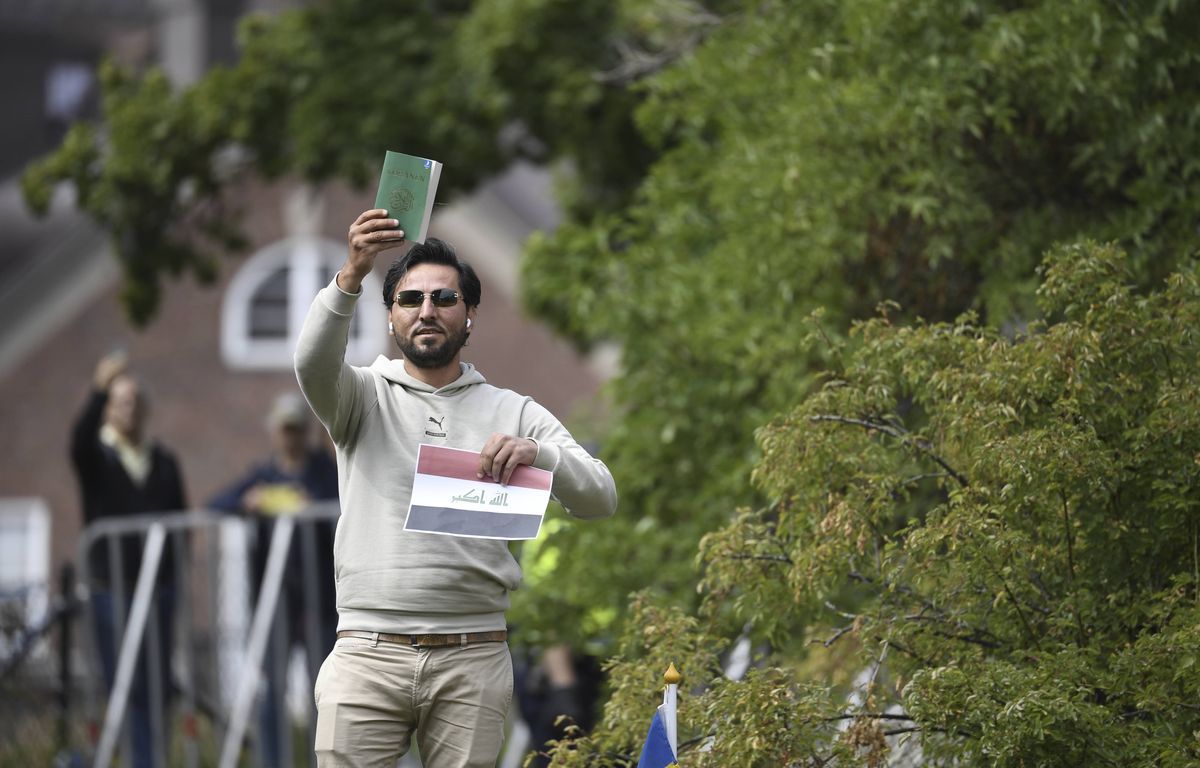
(503, 454)
(449, 497)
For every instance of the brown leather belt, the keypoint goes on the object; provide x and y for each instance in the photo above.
(428, 641)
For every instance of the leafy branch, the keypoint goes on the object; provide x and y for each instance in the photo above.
(903, 435)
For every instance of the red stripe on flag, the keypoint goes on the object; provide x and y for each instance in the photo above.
(463, 465)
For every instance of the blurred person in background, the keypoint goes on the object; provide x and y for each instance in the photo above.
(296, 474)
(556, 690)
(122, 472)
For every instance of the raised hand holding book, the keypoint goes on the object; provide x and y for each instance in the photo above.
(407, 187)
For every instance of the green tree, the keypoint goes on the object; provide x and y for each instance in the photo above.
(156, 171)
(727, 168)
(837, 154)
(1013, 549)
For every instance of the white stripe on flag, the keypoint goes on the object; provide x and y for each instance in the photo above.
(439, 491)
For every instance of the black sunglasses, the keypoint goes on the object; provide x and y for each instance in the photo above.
(442, 297)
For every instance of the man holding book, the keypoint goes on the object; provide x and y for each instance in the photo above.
(421, 650)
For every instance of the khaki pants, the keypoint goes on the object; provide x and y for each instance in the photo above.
(371, 699)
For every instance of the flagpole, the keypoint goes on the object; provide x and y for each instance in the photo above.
(672, 679)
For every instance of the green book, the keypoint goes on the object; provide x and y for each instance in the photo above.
(406, 190)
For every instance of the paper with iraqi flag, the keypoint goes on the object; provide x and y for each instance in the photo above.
(448, 499)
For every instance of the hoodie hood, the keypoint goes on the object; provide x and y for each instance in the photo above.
(393, 371)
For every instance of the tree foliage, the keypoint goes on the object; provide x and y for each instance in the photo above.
(1013, 548)
(157, 171)
(729, 168)
(832, 155)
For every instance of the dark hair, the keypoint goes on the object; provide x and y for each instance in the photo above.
(433, 251)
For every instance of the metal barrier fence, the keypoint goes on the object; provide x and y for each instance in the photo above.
(192, 585)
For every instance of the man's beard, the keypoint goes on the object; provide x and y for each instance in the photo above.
(436, 355)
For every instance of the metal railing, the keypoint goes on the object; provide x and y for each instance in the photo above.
(196, 545)
(211, 704)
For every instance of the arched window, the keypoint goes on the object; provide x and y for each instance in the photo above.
(269, 296)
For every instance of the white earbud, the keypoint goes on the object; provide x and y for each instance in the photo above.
(468, 322)
(391, 330)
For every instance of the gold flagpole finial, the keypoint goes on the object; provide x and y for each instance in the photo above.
(672, 676)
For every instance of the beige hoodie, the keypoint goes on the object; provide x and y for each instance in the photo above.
(389, 579)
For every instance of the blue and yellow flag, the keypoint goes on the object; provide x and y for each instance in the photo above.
(657, 753)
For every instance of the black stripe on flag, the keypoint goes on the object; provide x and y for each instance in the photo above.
(466, 522)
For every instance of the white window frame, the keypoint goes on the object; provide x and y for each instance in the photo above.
(32, 518)
(303, 256)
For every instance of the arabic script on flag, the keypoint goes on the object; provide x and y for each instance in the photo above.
(448, 498)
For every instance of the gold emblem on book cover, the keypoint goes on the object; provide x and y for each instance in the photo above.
(401, 200)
